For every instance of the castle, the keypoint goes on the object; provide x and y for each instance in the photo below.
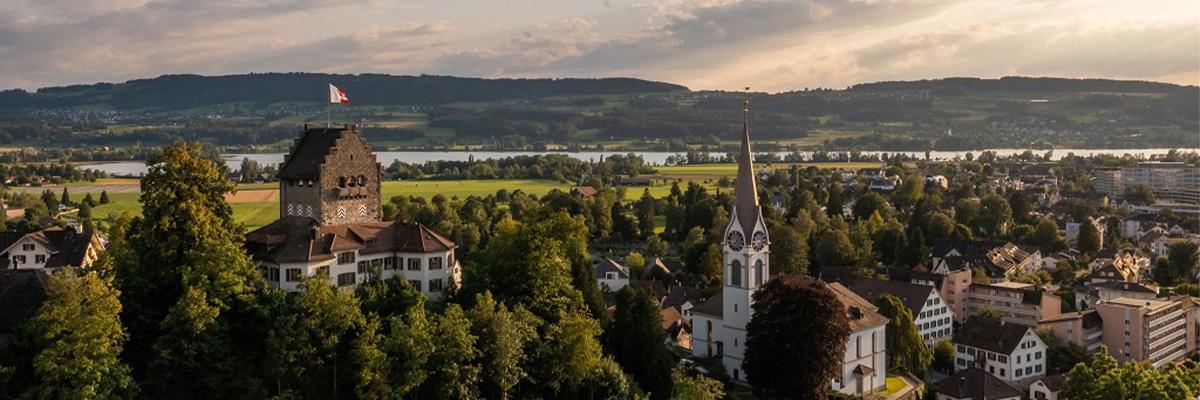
(330, 222)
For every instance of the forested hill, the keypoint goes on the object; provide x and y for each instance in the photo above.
(1018, 84)
(174, 92)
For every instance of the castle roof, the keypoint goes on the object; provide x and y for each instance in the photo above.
(299, 239)
(305, 159)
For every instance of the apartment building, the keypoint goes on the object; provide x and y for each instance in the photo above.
(1172, 182)
(1084, 328)
(952, 287)
(1160, 331)
(1015, 302)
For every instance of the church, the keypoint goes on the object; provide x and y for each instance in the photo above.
(330, 223)
(719, 322)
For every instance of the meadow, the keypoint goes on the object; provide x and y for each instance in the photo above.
(249, 208)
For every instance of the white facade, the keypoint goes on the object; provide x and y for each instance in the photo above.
(1026, 362)
(27, 253)
(865, 347)
(934, 320)
(429, 273)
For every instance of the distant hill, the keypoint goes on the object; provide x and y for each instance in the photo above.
(175, 92)
(1017, 84)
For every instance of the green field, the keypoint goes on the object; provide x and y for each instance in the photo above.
(464, 188)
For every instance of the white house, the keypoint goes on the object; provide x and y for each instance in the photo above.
(930, 313)
(1012, 352)
(864, 367)
(611, 275)
(974, 384)
(49, 248)
(1048, 387)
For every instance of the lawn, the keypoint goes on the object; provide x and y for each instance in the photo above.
(893, 385)
(464, 188)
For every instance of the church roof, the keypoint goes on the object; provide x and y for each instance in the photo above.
(745, 191)
(913, 295)
(861, 313)
(991, 334)
(713, 306)
(304, 161)
(299, 239)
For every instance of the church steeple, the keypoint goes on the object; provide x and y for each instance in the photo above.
(745, 194)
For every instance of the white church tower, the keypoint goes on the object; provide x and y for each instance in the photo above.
(719, 324)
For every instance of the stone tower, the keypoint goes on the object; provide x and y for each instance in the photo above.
(331, 176)
(746, 256)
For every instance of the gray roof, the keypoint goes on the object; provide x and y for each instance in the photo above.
(305, 159)
(913, 295)
(975, 384)
(608, 265)
(991, 334)
(22, 292)
(299, 239)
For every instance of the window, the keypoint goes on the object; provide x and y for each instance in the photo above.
(962, 362)
(735, 273)
(1003, 359)
(27, 247)
(962, 349)
(971, 351)
(1001, 372)
(39, 259)
(273, 274)
(362, 267)
(1017, 373)
(377, 265)
(414, 264)
(1037, 368)
(389, 262)
(346, 257)
(345, 279)
(435, 285)
(415, 284)
(293, 274)
(758, 272)
(435, 263)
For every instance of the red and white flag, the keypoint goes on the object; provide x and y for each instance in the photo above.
(337, 96)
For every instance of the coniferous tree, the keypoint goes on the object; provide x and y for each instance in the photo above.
(66, 198)
(638, 342)
(833, 205)
(104, 197)
(89, 200)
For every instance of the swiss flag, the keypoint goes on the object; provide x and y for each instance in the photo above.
(337, 96)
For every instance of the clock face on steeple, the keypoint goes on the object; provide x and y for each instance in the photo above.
(736, 240)
(759, 241)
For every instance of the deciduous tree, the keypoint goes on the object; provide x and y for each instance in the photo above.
(905, 347)
(805, 317)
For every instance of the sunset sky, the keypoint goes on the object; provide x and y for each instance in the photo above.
(708, 44)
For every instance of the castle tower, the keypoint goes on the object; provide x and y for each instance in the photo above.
(331, 176)
(746, 255)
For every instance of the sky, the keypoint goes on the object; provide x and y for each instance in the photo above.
(705, 44)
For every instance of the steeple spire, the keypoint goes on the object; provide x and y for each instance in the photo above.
(745, 193)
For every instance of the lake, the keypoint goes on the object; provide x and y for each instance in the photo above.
(136, 168)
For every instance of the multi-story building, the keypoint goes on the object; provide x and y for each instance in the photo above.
(998, 260)
(1160, 331)
(329, 223)
(1011, 352)
(49, 248)
(1172, 182)
(1083, 328)
(953, 287)
(933, 317)
(1015, 302)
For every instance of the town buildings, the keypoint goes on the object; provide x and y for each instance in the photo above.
(1172, 182)
(975, 384)
(1084, 328)
(1015, 302)
(1160, 331)
(930, 313)
(1010, 351)
(329, 223)
(864, 365)
(49, 248)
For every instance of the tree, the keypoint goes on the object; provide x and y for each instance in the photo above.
(834, 248)
(914, 250)
(1046, 236)
(453, 373)
(789, 251)
(905, 347)
(869, 203)
(1061, 355)
(1101, 377)
(943, 355)
(1021, 205)
(89, 200)
(1089, 241)
(805, 317)
(312, 339)
(527, 267)
(1140, 193)
(695, 387)
(994, 216)
(909, 193)
(66, 198)
(104, 197)
(570, 363)
(189, 271)
(636, 263)
(966, 211)
(79, 337)
(638, 342)
(833, 205)
(502, 336)
(1182, 260)
(50, 200)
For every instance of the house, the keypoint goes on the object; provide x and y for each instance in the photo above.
(22, 292)
(1088, 294)
(611, 275)
(329, 223)
(622, 180)
(864, 366)
(936, 181)
(1010, 351)
(49, 248)
(997, 259)
(953, 287)
(1014, 302)
(1127, 264)
(583, 191)
(1083, 328)
(679, 332)
(975, 384)
(886, 184)
(1159, 331)
(1071, 230)
(1048, 387)
(931, 315)
(662, 269)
